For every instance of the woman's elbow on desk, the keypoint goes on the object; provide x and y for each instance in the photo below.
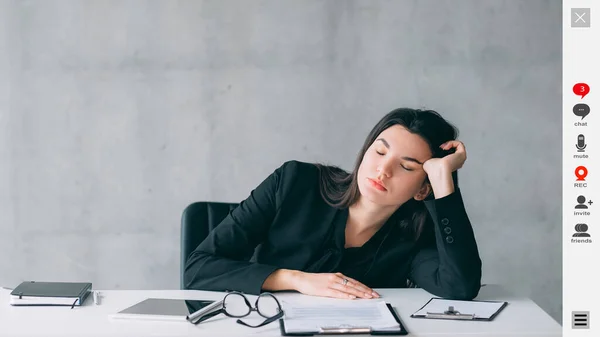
(465, 283)
(467, 293)
(462, 292)
(445, 283)
(464, 289)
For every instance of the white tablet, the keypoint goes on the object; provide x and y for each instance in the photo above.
(162, 309)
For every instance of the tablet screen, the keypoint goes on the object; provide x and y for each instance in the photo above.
(166, 307)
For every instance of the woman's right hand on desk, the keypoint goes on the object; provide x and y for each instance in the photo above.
(332, 285)
(320, 284)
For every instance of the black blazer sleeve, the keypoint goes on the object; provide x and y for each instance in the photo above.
(220, 262)
(450, 267)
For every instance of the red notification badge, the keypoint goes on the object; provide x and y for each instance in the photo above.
(581, 89)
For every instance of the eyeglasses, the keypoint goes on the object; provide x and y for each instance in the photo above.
(236, 305)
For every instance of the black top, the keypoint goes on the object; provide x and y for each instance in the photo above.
(287, 224)
(356, 261)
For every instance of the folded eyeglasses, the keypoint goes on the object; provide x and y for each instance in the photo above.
(236, 305)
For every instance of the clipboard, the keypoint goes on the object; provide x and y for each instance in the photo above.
(350, 330)
(452, 314)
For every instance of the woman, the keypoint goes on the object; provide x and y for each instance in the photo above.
(397, 220)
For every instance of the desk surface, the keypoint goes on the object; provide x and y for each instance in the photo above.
(521, 317)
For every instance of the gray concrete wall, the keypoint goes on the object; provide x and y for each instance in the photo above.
(114, 115)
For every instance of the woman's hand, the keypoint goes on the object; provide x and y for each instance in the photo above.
(439, 170)
(332, 285)
(449, 163)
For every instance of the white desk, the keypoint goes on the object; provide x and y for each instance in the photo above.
(521, 317)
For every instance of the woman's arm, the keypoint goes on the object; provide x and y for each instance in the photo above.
(450, 267)
(220, 263)
(282, 279)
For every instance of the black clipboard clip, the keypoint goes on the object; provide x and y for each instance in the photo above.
(450, 314)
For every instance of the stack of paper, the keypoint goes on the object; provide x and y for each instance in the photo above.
(343, 314)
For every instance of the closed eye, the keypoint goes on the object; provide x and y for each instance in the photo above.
(405, 168)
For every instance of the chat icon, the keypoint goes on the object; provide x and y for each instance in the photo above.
(581, 110)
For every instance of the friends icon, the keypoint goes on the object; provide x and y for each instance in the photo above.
(581, 232)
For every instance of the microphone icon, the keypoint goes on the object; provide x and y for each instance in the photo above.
(580, 143)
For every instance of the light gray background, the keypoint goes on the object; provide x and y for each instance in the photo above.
(115, 115)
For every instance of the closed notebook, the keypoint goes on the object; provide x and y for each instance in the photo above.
(50, 293)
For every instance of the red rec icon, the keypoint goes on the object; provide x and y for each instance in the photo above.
(581, 172)
(581, 89)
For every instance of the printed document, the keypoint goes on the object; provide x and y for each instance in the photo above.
(344, 314)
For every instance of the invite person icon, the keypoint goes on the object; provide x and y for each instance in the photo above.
(581, 230)
(581, 203)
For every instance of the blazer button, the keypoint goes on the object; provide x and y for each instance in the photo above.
(447, 230)
(449, 239)
(445, 221)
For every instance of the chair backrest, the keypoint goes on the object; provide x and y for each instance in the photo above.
(197, 220)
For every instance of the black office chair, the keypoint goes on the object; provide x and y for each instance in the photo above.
(197, 220)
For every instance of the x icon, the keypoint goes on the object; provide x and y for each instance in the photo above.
(581, 17)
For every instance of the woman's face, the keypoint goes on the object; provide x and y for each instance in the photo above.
(391, 171)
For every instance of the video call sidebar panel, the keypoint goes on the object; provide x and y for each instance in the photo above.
(581, 173)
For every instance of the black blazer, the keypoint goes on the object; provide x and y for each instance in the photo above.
(291, 226)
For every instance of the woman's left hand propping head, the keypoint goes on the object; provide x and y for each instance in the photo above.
(450, 162)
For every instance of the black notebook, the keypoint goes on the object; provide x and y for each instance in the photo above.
(50, 293)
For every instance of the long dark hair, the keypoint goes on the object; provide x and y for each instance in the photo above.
(340, 188)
